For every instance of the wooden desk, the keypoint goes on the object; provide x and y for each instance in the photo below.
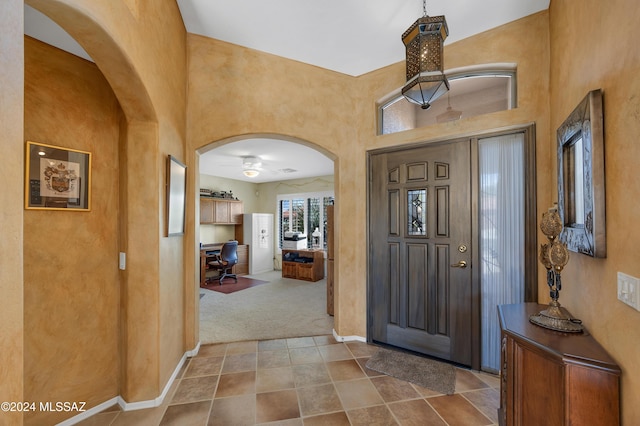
(554, 378)
(207, 255)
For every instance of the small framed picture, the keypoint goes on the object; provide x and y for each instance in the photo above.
(57, 178)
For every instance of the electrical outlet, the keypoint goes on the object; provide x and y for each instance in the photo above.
(629, 290)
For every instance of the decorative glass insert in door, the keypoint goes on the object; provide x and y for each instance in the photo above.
(417, 212)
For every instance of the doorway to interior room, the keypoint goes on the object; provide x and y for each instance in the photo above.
(293, 197)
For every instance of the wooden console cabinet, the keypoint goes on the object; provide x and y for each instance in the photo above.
(554, 378)
(308, 271)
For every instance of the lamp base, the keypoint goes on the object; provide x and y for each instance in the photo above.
(557, 318)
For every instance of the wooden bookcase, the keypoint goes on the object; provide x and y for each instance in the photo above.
(308, 271)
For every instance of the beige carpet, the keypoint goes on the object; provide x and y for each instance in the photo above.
(282, 308)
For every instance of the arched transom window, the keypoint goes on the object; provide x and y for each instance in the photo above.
(473, 91)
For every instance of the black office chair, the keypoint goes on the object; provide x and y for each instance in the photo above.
(225, 261)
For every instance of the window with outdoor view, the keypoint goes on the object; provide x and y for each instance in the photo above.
(304, 213)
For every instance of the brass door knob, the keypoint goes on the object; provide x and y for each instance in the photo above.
(461, 264)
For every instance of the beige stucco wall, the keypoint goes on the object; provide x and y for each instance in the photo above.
(585, 56)
(524, 42)
(235, 91)
(71, 291)
(140, 49)
(268, 192)
(11, 212)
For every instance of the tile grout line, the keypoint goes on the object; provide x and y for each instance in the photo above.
(475, 406)
(324, 362)
(368, 377)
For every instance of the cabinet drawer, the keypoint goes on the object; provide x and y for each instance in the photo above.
(553, 378)
(305, 271)
(289, 270)
(243, 253)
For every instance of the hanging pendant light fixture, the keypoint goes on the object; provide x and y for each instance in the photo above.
(423, 42)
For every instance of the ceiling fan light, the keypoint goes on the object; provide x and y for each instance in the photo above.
(251, 166)
(251, 173)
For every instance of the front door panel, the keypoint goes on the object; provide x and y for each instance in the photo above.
(420, 213)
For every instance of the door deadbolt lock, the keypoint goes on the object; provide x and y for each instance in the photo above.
(462, 248)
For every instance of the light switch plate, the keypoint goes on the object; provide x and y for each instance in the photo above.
(629, 290)
(122, 261)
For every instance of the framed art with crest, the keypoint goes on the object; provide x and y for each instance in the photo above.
(57, 178)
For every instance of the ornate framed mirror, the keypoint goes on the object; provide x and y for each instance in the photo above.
(581, 186)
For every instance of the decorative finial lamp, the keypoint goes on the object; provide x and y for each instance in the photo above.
(424, 41)
(554, 256)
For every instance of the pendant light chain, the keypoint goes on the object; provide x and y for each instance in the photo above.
(424, 7)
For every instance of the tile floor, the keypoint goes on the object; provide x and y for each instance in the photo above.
(306, 381)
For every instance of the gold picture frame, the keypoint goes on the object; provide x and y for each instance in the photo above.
(57, 178)
(581, 179)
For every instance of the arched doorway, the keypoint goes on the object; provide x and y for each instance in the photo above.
(135, 360)
(285, 167)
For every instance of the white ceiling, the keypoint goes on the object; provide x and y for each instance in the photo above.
(349, 36)
(281, 160)
(40, 27)
(352, 37)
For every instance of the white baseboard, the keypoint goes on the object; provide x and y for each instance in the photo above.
(193, 352)
(130, 406)
(90, 412)
(349, 338)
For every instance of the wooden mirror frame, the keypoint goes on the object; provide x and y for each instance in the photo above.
(585, 123)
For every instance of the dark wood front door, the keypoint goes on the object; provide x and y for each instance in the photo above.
(420, 283)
